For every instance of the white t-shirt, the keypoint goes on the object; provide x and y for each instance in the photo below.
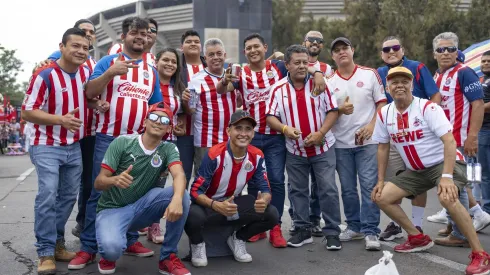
(416, 133)
(365, 89)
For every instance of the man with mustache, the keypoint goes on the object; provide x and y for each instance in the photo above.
(129, 84)
(314, 43)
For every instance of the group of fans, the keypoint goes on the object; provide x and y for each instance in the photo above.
(111, 131)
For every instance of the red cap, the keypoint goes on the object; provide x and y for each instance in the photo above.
(160, 106)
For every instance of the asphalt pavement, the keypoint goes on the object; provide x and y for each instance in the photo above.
(18, 188)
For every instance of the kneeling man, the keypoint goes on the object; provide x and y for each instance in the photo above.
(423, 136)
(130, 200)
(216, 193)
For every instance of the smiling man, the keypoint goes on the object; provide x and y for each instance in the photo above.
(217, 192)
(314, 43)
(130, 198)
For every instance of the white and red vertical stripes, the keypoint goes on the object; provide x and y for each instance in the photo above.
(173, 101)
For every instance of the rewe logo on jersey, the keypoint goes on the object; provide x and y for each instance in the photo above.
(408, 136)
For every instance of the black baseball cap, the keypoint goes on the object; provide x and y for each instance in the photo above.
(241, 115)
(340, 39)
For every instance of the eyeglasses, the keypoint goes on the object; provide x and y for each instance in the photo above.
(153, 30)
(395, 48)
(315, 39)
(163, 119)
(451, 49)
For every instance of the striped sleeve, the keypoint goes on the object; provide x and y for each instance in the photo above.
(204, 177)
(259, 179)
(37, 93)
(330, 99)
(272, 106)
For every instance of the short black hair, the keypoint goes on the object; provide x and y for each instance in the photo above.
(393, 37)
(152, 21)
(133, 22)
(253, 36)
(486, 53)
(81, 21)
(294, 49)
(72, 31)
(189, 33)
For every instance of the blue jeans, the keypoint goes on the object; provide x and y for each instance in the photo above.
(315, 211)
(359, 162)
(88, 237)
(484, 159)
(274, 148)
(59, 170)
(323, 167)
(185, 144)
(113, 224)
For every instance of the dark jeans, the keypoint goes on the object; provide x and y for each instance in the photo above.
(185, 144)
(274, 148)
(315, 211)
(250, 222)
(484, 159)
(87, 145)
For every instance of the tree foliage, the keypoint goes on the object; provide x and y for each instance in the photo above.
(10, 66)
(368, 22)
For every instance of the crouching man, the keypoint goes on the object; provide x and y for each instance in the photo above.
(423, 136)
(216, 192)
(130, 200)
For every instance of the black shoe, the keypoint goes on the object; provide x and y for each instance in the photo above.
(293, 230)
(333, 243)
(302, 236)
(391, 232)
(76, 231)
(420, 229)
(316, 231)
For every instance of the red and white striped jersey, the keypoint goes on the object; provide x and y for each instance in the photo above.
(255, 89)
(221, 177)
(56, 92)
(213, 111)
(191, 71)
(128, 96)
(173, 101)
(90, 63)
(365, 90)
(416, 133)
(90, 125)
(323, 67)
(299, 109)
(459, 86)
(118, 48)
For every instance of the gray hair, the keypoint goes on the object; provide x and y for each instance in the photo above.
(445, 36)
(213, 42)
(294, 49)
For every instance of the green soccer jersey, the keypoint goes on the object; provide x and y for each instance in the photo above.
(147, 165)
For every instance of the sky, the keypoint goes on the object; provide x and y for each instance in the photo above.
(35, 27)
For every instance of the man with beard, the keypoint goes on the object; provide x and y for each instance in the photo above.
(314, 43)
(129, 84)
(151, 40)
(484, 134)
(393, 55)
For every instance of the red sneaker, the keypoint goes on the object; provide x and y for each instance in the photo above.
(415, 243)
(138, 250)
(257, 237)
(276, 238)
(143, 231)
(172, 266)
(479, 263)
(81, 259)
(106, 267)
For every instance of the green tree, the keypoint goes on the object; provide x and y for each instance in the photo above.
(476, 28)
(286, 27)
(10, 66)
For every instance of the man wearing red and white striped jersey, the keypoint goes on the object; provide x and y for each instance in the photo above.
(314, 43)
(423, 136)
(129, 84)
(192, 63)
(462, 102)
(306, 117)
(212, 111)
(359, 92)
(55, 104)
(152, 33)
(216, 193)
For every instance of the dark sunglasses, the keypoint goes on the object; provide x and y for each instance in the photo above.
(163, 119)
(395, 48)
(448, 49)
(315, 39)
(153, 30)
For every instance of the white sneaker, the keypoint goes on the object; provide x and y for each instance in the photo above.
(239, 249)
(481, 222)
(372, 243)
(439, 217)
(198, 252)
(349, 235)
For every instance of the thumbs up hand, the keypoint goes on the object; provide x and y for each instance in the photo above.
(227, 207)
(261, 202)
(347, 108)
(124, 180)
(70, 122)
